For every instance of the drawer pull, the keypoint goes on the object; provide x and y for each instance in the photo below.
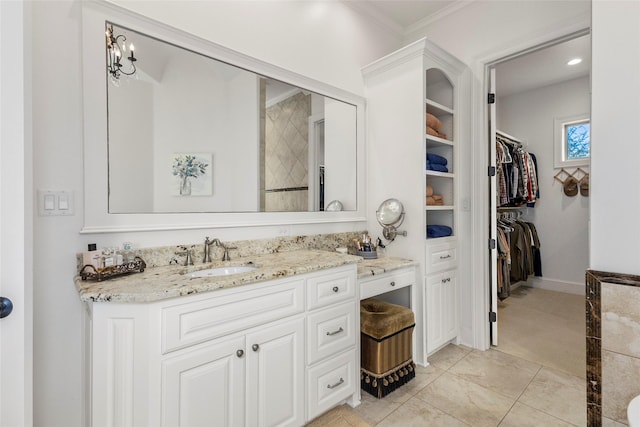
(448, 279)
(335, 332)
(255, 347)
(240, 353)
(392, 283)
(336, 289)
(330, 386)
(445, 256)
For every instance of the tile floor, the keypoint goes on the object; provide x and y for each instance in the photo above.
(465, 387)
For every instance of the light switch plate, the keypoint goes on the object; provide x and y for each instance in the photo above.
(55, 203)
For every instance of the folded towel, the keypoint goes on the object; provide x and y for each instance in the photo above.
(429, 191)
(433, 122)
(431, 131)
(437, 197)
(434, 202)
(438, 231)
(434, 158)
(436, 167)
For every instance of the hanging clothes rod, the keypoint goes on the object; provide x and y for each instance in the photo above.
(509, 137)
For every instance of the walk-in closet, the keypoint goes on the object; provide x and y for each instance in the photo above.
(539, 145)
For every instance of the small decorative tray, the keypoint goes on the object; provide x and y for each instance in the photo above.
(90, 272)
(368, 254)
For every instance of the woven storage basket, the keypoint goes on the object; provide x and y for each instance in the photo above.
(386, 346)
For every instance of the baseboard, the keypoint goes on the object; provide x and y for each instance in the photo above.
(556, 285)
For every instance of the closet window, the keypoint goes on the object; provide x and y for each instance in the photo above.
(572, 141)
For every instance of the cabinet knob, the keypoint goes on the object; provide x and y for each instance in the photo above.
(240, 353)
(336, 289)
(392, 283)
(255, 347)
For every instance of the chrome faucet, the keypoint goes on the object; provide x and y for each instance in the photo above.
(217, 242)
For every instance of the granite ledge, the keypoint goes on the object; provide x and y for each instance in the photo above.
(165, 282)
(373, 267)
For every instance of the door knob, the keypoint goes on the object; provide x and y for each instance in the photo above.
(6, 307)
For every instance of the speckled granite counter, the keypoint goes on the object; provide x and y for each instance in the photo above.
(170, 281)
(383, 264)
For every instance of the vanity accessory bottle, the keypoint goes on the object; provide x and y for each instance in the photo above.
(92, 256)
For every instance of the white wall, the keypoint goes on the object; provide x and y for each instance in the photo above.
(131, 125)
(615, 201)
(324, 40)
(339, 153)
(561, 221)
(215, 111)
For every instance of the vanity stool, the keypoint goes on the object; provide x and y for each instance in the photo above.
(386, 346)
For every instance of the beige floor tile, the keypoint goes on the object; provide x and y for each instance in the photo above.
(424, 376)
(448, 356)
(558, 394)
(466, 401)
(524, 416)
(545, 327)
(341, 416)
(607, 422)
(500, 372)
(416, 413)
(374, 410)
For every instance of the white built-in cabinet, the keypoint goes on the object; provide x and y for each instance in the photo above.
(401, 88)
(277, 353)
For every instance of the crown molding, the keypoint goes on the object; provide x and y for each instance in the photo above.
(430, 19)
(376, 15)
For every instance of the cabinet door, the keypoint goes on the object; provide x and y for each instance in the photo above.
(275, 375)
(435, 289)
(205, 387)
(450, 306)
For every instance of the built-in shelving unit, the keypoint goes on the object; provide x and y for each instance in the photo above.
(401, 88)
(439, 103)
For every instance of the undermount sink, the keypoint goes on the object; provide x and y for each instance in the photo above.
(222, 271)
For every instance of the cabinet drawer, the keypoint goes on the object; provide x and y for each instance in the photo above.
(331, 382)
(331, 288)
(330, 331)
(387, 282)
(194, 322)
(441, 257)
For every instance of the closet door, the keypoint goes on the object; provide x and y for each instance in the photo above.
(493, 265)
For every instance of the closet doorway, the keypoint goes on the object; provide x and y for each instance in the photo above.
(539, 207)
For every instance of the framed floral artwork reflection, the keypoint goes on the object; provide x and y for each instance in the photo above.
(192, 174)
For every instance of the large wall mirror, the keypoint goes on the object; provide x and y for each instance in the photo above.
(210, 134)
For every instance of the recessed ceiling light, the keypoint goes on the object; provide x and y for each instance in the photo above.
(574, 61)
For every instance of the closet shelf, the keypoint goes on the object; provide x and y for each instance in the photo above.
(435, 141)
(437, 109)
(439, 208)
(428, 172)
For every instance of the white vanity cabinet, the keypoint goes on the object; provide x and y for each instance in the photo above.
(260, 372)
(253, 355)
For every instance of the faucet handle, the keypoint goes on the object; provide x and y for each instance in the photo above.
(225, 256)
(188, 252)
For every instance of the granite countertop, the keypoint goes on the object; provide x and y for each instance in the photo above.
(160, 283)
(381, 265)
(164, 282)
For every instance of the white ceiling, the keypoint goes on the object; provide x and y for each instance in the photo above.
(537, 69)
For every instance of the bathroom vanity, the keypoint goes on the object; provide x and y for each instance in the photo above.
(274, 346)
(278, 345)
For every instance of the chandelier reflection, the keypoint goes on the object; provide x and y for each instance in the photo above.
(116, 50)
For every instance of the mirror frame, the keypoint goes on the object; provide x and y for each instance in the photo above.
(97, 218)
